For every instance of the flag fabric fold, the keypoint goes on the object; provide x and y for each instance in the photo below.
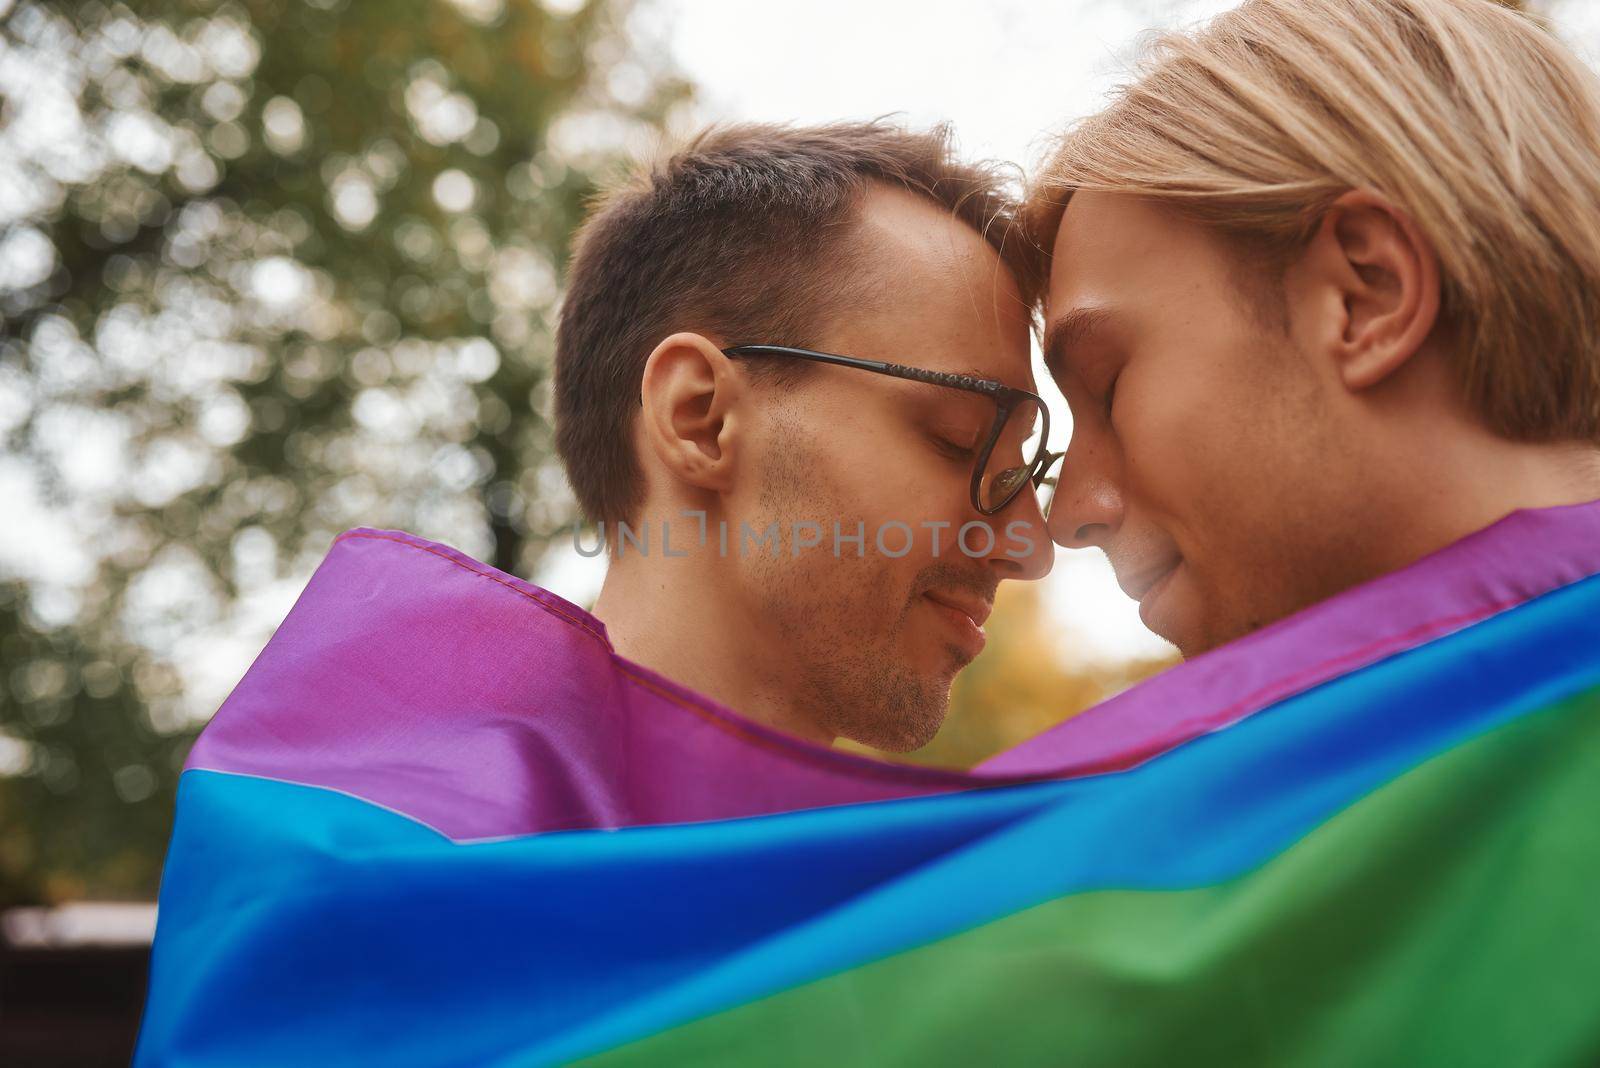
(441, 822)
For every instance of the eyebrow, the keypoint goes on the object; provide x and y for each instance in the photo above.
(1069, 331)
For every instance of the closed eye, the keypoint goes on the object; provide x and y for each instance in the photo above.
(952, 449)
(956, 442)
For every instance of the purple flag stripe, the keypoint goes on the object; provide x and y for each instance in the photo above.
(1524, 555)
(401, 678)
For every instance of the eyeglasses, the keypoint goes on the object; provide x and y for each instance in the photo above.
(1015, 452)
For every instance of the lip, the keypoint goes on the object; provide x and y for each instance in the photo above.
(1150, 596)
(965, 615)
(974, 608)
(1138, 585)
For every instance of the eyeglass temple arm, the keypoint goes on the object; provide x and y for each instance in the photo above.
(1046, 462)
(914, 374)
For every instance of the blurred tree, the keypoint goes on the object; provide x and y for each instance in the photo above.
(268, 269)
(1028, 679)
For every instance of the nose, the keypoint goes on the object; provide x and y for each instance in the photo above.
(1023, 549)
(1087, 507)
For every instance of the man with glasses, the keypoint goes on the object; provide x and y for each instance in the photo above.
(793, 390)
(792, 383)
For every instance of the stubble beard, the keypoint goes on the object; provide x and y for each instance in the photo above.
(850, 673)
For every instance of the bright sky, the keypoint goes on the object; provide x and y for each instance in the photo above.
(1006, 73)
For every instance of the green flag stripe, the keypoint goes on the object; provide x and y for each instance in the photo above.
(1451, 917)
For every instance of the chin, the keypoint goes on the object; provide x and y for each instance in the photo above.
(900, 723)
(1202, 636)
(1183, 619)
(907, 743)
(1189, 650)
(1193, 637)
(1184, 634)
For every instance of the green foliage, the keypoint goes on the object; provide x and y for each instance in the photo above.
(272, 269)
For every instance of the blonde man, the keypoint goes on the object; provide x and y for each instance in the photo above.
(1325, 298)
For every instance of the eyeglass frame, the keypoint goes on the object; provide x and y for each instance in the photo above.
(1006, 399)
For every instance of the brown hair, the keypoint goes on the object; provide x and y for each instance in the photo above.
(1470, 117)
(743, 235)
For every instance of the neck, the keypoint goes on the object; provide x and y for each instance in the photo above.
(664, 613)
(1436, 473)
(1476, 480)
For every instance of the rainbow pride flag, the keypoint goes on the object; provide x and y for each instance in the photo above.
(440, 822)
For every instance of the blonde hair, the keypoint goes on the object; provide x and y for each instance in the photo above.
(1470, 117)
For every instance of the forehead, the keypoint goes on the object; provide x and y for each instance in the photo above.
(1117, 249)
(929, 291)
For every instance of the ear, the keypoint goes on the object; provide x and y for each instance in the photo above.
(1381, 279)
(690, 394)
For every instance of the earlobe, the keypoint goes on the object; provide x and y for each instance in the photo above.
(688, 394)
(1389, 276)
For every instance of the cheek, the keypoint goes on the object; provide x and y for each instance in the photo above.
(1173, 439)
(899, 477)
(872, 469)
(1201, 430)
